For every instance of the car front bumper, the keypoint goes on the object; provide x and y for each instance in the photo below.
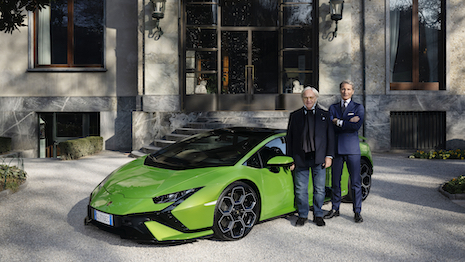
(156, 227)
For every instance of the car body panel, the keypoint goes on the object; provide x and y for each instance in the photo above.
(165, 233)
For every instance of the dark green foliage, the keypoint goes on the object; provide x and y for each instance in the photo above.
(76, 148)
(11, 177)
(455, 186)
(13, 12)
(5, 144)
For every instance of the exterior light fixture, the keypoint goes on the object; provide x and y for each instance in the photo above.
(335, 9)
(158, 13)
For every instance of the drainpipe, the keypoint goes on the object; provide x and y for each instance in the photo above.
(362, 48)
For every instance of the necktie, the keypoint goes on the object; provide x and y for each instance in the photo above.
(344, 106)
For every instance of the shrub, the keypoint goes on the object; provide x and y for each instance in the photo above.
(11, 177)
(5, 144)
(76, 148)
(455, 186)
(441, 154)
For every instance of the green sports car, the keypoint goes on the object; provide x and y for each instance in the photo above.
(218, 183)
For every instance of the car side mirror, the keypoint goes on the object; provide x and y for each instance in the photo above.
(280, 161)
(275, 162)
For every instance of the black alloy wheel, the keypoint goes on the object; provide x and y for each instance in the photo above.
(365, 172)
(236, 212)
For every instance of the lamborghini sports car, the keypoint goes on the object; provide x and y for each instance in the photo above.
(218, 183)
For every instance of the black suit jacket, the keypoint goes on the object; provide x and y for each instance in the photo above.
(324, 136)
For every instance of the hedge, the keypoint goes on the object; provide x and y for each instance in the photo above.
(76, 148)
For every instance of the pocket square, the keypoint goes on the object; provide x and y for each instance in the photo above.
(351, 114)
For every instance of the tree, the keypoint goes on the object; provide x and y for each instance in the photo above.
(12, 12)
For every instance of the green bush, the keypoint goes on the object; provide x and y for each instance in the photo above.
(441, 154)
(11, 177)
(5, 144)
(76, 148)
(455, 186)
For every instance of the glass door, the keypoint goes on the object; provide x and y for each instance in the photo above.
(247, 55)
(249, 67)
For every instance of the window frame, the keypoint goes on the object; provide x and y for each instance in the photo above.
(416, 85)
(34, 66)
(280, 28)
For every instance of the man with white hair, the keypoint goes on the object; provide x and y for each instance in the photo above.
(310, 142)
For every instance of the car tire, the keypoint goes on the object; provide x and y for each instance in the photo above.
(366, 170)
(236, 212)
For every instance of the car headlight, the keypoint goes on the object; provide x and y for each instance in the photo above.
(173, 197)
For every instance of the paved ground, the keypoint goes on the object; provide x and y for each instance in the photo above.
(406, 219)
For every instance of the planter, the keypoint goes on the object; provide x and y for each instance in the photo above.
(451, 196)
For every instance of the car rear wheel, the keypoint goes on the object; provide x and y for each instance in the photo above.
(365, 172)
(236, 212)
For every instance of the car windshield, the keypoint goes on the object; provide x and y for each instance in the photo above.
(222, 147)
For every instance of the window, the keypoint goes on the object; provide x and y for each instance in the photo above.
(69, 33)
(276, 147)
(249, 47)
(417, 44)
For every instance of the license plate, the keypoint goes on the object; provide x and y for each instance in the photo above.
(104, 218)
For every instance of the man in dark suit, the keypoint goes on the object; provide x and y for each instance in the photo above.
(310, 141)
(347, 117)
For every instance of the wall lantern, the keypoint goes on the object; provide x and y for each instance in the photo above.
(158, 13)
(335, 9)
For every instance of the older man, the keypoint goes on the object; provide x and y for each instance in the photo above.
(310, 141)
(347, 117)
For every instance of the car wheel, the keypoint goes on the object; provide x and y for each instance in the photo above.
(236, 212)
(365, 172)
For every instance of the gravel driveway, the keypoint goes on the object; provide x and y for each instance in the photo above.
(405, 219)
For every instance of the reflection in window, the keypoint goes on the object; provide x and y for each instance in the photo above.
(77, 124)
(249, 13)
(416, 44)
(298, 45)
(60, 41)
(298, 14)
(253, 37)
(203, 14)
(201, 38)
(234, 53)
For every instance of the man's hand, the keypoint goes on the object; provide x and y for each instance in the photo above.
(328, 162)
(292, 167)
(335, 121)
(354, 119)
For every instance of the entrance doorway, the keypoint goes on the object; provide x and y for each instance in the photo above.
(247, 55)
(249, 66)
(59, 127)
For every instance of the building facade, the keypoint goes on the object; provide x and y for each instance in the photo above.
(119, 71)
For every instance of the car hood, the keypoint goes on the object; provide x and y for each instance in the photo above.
(136, 180)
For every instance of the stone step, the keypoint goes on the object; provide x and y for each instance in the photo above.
(137, 154)
(150, 149)
(175, 137)
(162, 143)
(190, 131)
(207, 125)
(212, 120)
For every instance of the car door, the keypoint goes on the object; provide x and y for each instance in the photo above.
(277, 188)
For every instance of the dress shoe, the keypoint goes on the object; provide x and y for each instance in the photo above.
(300, 221)
(358, 218)
(331, 214)
(319, 221)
